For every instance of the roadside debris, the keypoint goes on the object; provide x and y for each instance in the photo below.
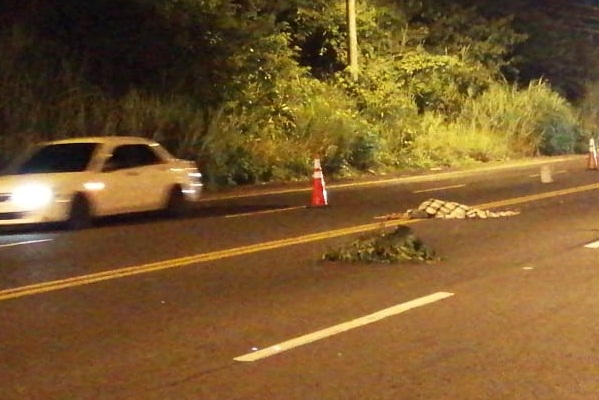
(400, 245)
(436, 208)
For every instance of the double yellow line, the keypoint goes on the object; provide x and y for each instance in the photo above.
(182, 261)
(239, 251)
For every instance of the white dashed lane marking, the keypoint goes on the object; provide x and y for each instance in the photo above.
(346, 326)
(593, 245)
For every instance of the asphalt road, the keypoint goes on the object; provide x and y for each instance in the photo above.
(234, 302)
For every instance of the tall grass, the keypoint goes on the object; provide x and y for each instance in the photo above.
(439, 143)
(501, 123)
(41, 97)
(588, 111)
(536, 120)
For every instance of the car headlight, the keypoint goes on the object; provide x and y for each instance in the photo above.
(32, 196)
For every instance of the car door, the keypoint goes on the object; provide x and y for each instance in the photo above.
(137, 178)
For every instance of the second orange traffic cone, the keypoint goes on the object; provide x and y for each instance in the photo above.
(319, 191)
(592, 159)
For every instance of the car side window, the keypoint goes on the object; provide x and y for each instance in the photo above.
(131, 156)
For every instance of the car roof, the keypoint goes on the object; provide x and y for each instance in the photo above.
(114, 140)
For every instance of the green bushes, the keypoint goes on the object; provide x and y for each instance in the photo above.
(410, 109)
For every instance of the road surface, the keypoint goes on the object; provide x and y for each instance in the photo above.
(235, 303)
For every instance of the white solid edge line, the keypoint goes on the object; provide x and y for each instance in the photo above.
(594, 245)
(343, 327)
(24, 243)
(435, 189)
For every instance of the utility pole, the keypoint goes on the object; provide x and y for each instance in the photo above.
(352, 39)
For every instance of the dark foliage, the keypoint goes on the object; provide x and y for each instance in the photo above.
(400, 245)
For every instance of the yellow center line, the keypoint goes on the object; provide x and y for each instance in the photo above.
(50, 286)
(184, 261)
(539, 196)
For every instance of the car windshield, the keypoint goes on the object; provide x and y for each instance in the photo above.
(52, 158)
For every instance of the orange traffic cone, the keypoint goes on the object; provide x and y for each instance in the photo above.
(319, 192)
(592, 159)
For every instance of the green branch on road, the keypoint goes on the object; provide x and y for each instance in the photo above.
(400, 245)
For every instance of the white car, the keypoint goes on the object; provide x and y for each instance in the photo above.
(75, 180)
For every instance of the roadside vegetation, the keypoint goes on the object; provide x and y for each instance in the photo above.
(254, 90)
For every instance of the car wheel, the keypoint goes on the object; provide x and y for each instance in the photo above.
(176, 205)
(80, 216)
